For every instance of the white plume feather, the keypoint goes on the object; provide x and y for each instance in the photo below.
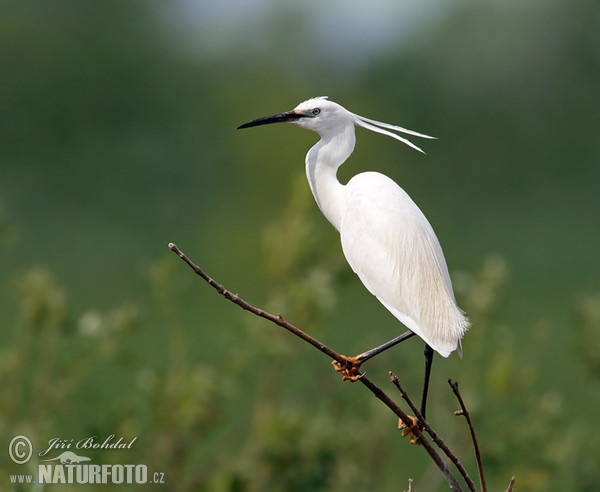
(378, 127)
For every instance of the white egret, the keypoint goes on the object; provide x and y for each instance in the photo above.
(385, 237)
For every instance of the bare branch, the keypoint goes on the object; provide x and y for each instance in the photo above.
(278, 320)
(420, 438)
(463, 411)
(511, 485)
(434, 435)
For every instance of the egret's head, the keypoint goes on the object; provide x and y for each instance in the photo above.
(323, 116)
(317, 114)
(326, 117)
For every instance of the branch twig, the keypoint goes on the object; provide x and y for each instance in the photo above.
(511, 485)
(278, 320)
(420, 438)
(464, 412)
(434, 435)
(236, 299)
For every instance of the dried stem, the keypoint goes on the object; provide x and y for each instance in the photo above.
(419, 437)
(277, 319)
(463, 411)
(511, 485)
(434, 435)
(378, 392)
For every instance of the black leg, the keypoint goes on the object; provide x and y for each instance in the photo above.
(351, 368)
(377, 350)
(428, 361)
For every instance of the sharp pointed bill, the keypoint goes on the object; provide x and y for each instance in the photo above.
(286, 117)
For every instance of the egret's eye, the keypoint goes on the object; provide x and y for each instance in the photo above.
(316, 111)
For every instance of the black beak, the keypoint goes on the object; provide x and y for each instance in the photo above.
(276, 118)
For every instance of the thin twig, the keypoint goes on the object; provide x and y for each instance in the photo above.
(463, 411)
(434, 435)
(278, 320)
(420, 438)
(511, 485)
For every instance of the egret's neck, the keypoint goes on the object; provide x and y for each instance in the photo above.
(322, 163)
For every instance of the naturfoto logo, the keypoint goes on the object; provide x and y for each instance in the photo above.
(69, 467)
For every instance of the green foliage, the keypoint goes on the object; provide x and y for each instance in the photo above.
(587, 310)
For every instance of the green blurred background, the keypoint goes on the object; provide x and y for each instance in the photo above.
(117, 136)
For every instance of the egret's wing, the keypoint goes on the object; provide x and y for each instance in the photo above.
(392, 248)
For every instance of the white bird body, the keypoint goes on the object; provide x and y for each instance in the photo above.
(385, 237)
(382, 226)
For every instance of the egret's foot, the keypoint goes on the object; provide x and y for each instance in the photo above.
(409, 429)
(350, 369)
